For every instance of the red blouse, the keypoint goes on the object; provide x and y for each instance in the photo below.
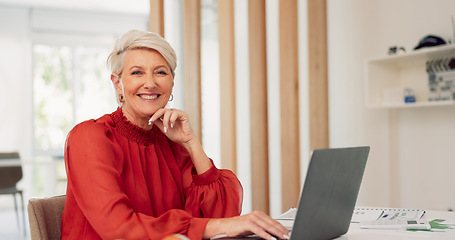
(128, 183)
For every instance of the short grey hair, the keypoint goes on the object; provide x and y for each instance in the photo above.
(136, 39)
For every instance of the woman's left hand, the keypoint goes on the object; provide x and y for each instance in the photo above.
(175, 124)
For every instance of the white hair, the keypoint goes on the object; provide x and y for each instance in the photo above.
(136, 39)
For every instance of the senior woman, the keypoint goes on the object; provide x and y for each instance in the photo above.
(140, 172)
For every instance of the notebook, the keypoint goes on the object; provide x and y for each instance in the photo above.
(330, 193)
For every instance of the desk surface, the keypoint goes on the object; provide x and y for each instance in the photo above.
(356, 233)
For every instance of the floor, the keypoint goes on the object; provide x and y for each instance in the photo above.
(9, 228)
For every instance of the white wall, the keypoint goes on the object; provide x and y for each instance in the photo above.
(14, 91)
(359, 29)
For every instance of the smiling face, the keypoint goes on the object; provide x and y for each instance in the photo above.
(146, 84)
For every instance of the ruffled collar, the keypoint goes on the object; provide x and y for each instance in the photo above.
(131, 131)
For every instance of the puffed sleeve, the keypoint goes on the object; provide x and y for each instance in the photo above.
(215, 193)
(94, 166)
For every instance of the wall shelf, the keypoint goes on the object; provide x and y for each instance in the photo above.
(420, 104)
(402, 71)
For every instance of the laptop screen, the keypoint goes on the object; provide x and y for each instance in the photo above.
(330, 193)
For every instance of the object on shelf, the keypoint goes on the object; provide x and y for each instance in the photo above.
(396, 50)
(441, 79)
(409, 96)
(392, 96)
(430, 41)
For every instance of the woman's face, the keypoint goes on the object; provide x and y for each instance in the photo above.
(146, 83)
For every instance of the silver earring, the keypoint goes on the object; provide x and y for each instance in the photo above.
(171, 98)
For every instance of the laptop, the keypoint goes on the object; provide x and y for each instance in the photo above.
(330, 193)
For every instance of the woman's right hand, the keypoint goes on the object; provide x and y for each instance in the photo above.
(255, 222)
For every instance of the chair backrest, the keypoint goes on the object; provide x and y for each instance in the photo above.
(45, 216)
(10, 175)
(9, 155)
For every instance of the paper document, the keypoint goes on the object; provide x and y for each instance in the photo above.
(372, 214)
(288, 215)
(287, 218)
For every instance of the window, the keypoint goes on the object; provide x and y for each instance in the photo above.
(70, 85)
(52, 96)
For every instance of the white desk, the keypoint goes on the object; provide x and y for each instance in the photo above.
(356, 233)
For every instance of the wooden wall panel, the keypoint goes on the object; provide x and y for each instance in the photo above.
(192, 63)
(227, 84)
(258, 105)
(318, 76)
(289, 100)
(156, 17)
(289, 103)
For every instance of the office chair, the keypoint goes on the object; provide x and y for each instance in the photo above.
(9, 176)
(45, 216)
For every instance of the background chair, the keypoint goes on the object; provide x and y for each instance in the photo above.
(45, 216)
(10, 174)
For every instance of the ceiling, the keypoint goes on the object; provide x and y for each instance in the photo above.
(121, 6)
